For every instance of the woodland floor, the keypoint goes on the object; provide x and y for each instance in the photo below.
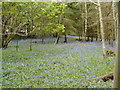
(72, 65)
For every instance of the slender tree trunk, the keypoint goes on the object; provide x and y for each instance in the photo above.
(82, 25)
(58, 34)
(96, 38)
(102, 28)
(57, 40)
(79, 38)
(2, 41)
(85, 20)
(114, 22)
(30, 44)
(98, 30)
(17, 45)
(117, 22)
(117, 63)
(92, 39)
(65, 41)
(88, 38)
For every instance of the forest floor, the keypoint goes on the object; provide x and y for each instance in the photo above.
(72, 65)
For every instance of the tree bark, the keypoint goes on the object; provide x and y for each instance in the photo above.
(8, 39)
(117, 63)
(30, 44)
(17, 45)
(102, 28)
(58, 34)
(98, 31)
(92, 39)
(85, 31)
(114, 21)
(65, 41)
(57, 40)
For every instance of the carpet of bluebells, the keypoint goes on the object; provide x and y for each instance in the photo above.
(72, 65)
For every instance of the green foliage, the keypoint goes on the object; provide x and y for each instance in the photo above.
(53, 28)
(58, 28)
(74, 65)
(32, 14)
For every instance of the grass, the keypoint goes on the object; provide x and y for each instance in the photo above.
(72, 65)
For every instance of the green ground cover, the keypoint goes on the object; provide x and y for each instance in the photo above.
(73, 65)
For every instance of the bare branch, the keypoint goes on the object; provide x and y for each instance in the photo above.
(93, 2)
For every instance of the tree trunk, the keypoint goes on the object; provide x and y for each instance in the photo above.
(79, 38)
(85, 31)
(102, 28)
(96, 38)
(114, 21)
(92, 39)
(117, 63)
(82, 25)
(114, 24)
(57, 40)
(2, 41)
(58, 34)
(42, 40)
(88, 38)
(98, 32)
(17, 45)
(65, 38)
(8, 39)
(30, 44)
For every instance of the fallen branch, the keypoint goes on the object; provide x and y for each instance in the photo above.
(106, 77)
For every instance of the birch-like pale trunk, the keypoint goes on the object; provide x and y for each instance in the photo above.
(117, 63)
(85, 20)
(102, 28)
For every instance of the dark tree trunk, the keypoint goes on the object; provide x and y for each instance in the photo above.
(92, 39)
(65, 38)
(88, 38)
(96, 38)
(79, 38)
(42, 40)
(17, 45)
(6, 42)
(2, 42)
(55, 35)
(30, 44)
